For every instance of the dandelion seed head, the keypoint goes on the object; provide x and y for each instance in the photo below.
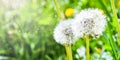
(106, 56)
(63, 33)
(81, 51)
(89, 22)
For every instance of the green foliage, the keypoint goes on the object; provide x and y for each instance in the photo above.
(26, 33)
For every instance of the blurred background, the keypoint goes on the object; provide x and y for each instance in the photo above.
(26, 28)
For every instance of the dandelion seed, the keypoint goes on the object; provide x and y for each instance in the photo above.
(89, 22)
(63, 33)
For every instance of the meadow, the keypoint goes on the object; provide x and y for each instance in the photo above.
(36, 30)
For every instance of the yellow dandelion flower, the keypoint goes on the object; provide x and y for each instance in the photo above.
(98, 50)
(118, 4)
(69, 12)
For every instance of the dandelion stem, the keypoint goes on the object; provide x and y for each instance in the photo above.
(57, 8)
(87, 47)
(68, 51)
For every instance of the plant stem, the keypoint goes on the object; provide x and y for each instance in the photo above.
(114, 50)
(112, 43)
(57, 8)
(115, 20)
(68, 51)
(87, 47)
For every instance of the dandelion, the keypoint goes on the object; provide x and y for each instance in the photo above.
(63, 34)
(69, 12)
(89, 22)
(81, 52)
(106, 56)
(95, 56)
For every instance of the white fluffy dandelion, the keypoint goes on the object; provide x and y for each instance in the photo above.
(89, 22)
(63, 33)
(81, 52)
(106, 56)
